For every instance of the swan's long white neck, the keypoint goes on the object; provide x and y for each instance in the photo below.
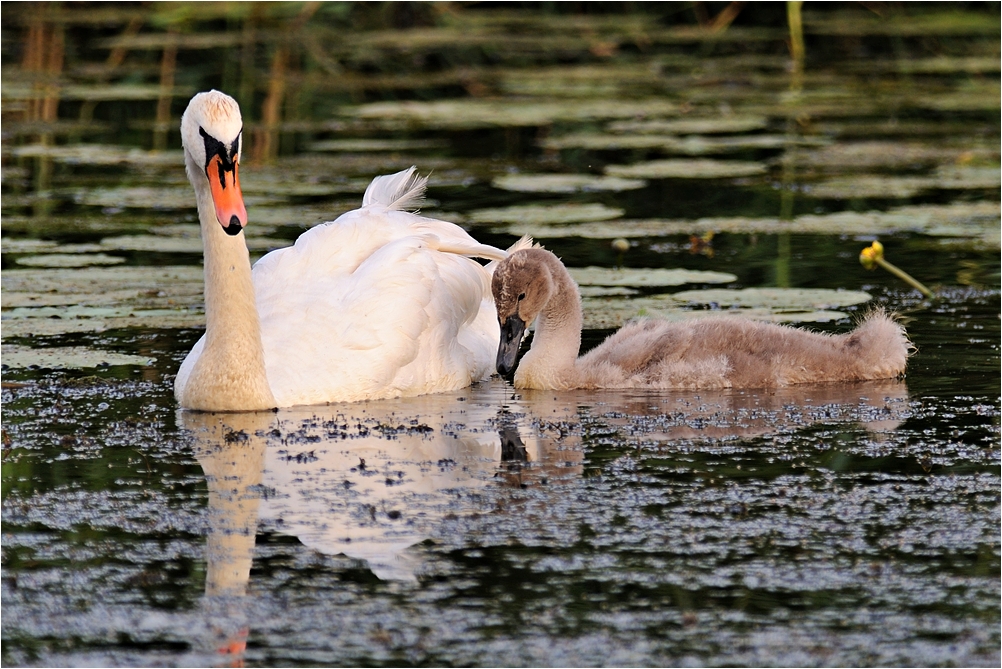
(230, 373)
(551, 361)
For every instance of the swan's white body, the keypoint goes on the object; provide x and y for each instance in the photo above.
(379, 303)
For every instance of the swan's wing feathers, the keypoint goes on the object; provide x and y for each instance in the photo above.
(401, 191)
(351, 333)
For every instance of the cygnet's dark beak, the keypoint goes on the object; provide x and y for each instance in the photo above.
(511, 336)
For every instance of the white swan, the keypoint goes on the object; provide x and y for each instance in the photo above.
(724, 352)
(379, 303)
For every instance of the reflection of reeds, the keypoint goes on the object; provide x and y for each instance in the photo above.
(43, 59)
(266, 137)
(168, 65)
(115, 59)
(44, 54)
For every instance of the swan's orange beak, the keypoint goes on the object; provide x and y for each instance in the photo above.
(226, 195)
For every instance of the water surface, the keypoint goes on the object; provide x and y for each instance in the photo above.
(847, 524)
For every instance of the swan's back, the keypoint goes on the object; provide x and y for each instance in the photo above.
(378, 303)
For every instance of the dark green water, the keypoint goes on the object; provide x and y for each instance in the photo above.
(821, 525)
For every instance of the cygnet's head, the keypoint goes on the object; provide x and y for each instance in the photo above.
(212, 136)
(522, 285)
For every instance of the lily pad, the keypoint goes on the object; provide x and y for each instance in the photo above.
(581, 81)
(546, 214)
(151, 197)
(774, 298)
(946, 177)
(20, 245)
(594, 141)
(564, 183)
(602, 291)
(604, 313)
(687, 169)
(68, 357)
(165, 244)
(366, 145)
(693, 145)
(972, 220)
(69, 260)
(864, 156)
(479, 113)
(171, 280)
(691, 126)
(647, 277)
(99, 154)
(967, 177)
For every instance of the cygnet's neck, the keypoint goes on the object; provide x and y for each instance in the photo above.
(230, 372)
(551, 361)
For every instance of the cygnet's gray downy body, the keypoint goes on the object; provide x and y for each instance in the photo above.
(720, 352)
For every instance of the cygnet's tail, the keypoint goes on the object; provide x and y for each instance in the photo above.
(401, 191)
(881, 346)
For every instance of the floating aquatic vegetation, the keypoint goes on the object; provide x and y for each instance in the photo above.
(533, 214)
(20, 245)
(645, 277)
(69, 260)
(187, 244)
(605, 313)
(862, 156)
(971, 220)
(946, 177)
(858, 24)
(964, 176)
(301, 216)
(602, 291)
(941, 64)
(264, 185)
(93, 299)
(91, 279)
(67, 357)
(476, 113)
(687, 169)
(691, 126)
(692, 145)
(593, 141)
(564, 183)
(77, 223)
(153, 197)
(778, 305)
(365, 145)
(581, 81)
(774, 298)
(99, 154)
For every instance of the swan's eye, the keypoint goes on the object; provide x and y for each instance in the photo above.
(521, 296)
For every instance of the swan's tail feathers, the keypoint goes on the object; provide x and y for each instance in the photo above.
(401, 191)
(882, 344)
(471, 248)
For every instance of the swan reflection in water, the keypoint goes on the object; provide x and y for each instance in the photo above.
(370, 480)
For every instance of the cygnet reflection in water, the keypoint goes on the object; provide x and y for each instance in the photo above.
(681, 415)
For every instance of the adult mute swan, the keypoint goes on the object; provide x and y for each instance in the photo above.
(378, 303)
(725, 352)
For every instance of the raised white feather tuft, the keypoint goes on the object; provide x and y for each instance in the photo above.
(402, 191)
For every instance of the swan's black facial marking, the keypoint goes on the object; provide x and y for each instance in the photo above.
(227, 154)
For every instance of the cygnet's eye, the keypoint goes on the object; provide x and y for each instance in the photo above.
(521, 296)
